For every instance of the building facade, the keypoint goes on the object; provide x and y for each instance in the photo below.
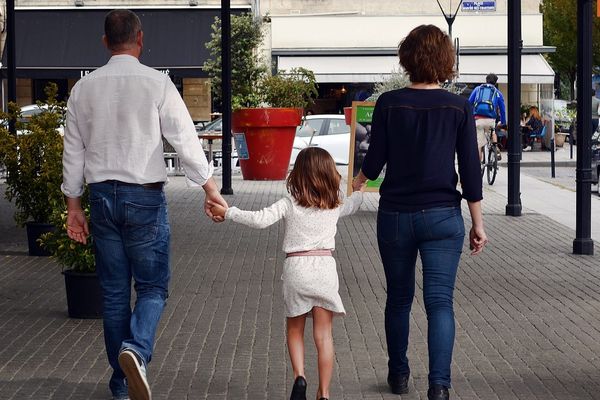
(60, 41)
(350, 44)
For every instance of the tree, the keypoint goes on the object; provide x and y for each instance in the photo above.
(560, 30)
(247, 65)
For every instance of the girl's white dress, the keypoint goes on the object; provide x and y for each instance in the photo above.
(308, 281)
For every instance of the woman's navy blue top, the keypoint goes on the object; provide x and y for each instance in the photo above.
(416, 134)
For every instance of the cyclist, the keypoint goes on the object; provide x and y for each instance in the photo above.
(488, 109)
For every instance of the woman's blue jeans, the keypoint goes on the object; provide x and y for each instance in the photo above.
(437, 234)
(130, 228)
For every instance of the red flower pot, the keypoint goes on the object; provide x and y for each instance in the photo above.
(269, 135)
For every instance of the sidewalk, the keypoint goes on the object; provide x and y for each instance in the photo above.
(538, 158)
(528, 311)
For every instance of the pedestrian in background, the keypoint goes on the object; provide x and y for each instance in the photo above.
(533, 127)
(489, 111)
(116, 118)
(310, 280)
(416, 133)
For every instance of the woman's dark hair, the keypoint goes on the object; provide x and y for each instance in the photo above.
(427, 55)
(314, 180)
(121, 28)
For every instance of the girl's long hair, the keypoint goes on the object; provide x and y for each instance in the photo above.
(314, 180)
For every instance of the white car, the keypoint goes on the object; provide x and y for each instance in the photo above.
(29, 111)
(327, 131)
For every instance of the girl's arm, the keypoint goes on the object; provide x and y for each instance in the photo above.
(259, 219)
(351, 204)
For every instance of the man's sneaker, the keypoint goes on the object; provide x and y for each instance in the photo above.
(121, 398)
(528, 148)
(135, 371)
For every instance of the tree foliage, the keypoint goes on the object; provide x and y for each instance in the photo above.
(560, 30)
(296, 88)
(247, 65)
(33, 159)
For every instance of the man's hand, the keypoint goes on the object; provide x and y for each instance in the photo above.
(213, 197)
(217, 210)
(77, 226)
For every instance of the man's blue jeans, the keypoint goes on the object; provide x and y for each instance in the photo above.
(130, 227)
(437, 234)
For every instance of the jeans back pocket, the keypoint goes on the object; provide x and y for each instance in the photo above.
(141, 222)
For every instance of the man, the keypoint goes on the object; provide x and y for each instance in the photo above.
(116, 118)
(488, 107)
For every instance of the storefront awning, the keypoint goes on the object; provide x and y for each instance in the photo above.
(66, 43)
(474, 68)
(364, 69)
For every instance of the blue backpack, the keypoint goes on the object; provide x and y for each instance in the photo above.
(485, 100)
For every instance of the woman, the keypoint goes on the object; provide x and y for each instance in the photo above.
(533, 126)
(416, 133)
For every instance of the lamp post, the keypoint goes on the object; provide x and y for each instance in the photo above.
(450, 17)
(10, 58)
(583, 243)
(515, 44)
(226, 94)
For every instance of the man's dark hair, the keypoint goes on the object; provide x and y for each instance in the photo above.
(121, 28)
(491, 79)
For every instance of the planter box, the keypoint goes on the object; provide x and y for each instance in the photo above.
(84, 294)
(559, 139)
(34, 231)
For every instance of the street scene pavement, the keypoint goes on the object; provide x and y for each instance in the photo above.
(527, 309)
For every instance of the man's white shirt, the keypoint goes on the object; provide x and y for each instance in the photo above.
(116, 118)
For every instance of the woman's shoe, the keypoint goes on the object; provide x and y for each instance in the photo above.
(438, 392)
(299, 389)
(398, 383)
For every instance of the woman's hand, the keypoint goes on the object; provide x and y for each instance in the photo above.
(477, 239)
(358, 182)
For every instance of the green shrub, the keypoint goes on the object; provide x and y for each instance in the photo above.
(33, 159)
(296, 89)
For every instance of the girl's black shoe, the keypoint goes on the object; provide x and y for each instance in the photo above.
(438, 392)
(299, 389)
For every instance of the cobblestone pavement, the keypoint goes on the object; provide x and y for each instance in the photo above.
(528, 314)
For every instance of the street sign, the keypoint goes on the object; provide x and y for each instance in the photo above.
(479, 6)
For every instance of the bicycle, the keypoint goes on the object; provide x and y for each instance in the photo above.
(489, 162)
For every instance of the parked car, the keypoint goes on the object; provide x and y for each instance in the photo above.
(328, 131)
(213, 126)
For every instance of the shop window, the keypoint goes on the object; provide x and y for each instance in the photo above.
(40, 84)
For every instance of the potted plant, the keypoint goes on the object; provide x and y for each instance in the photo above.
(84, 294)
(267, 109)
(28, 158)
(269, 132)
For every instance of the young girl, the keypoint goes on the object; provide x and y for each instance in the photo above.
(310, 280)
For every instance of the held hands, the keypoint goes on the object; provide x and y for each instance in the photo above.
(212, 200)
(359, 182)
(477, 240)
(218, 210)
(213, 197)
(77, 226)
